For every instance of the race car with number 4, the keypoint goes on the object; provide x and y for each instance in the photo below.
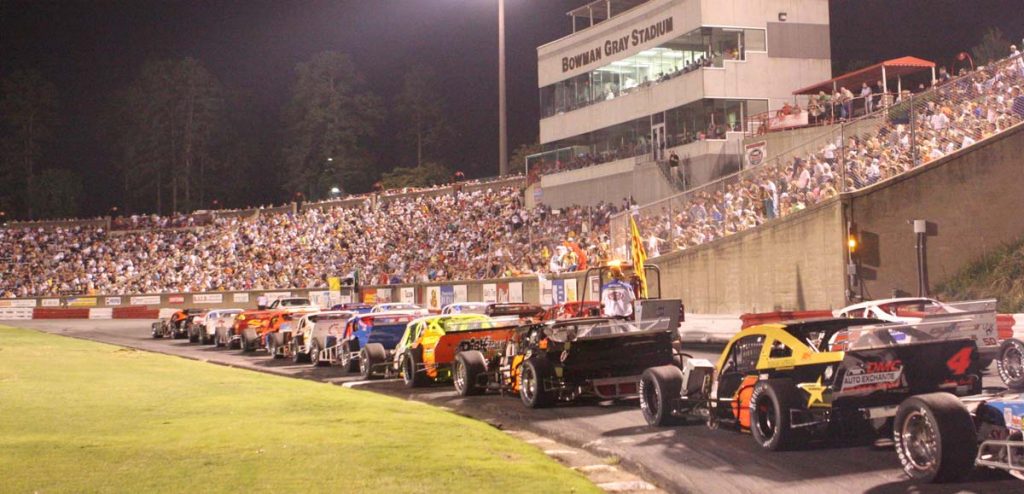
(787, 384)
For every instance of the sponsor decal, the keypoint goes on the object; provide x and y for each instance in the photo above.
(490, 292)
(208, 298)
(756, 152)
(240, 298)
(383, 295)
(112, 301)
(447, 295)
(369, 295)
(874, 375)
(461, 293)
(408, 295)
(82, 301)
(515, 292)
(176, 299)
(434, 297)
(17, 303)
(145, 300)
(51, 302)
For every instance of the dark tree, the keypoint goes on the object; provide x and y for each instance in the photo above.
(28, 117)
(330, 125)
(420, 115)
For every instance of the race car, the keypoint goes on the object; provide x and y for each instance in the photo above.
(974, 319)
(786, 384)
(400, 307)
(252, 326)
(315, 332)
(203, 327)
(175, 326)
(428, 345)
(942, 438)
(367, 341)
(465, 308)
(495, 309)
(356, 307)
(565, 360)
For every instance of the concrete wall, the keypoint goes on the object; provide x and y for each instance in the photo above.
(973, 198)
(795, 263)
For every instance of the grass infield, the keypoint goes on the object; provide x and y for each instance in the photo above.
(78, 416)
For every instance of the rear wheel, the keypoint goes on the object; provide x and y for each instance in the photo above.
(466, 372)
(660, 390)
(248, 341)
(770, 406)
(370, 357)
(274, 345)
(298, 356)
(534, 375)
(1010, 363)
(935, 438)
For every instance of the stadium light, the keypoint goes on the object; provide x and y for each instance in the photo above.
(502, 116)
(335, 191)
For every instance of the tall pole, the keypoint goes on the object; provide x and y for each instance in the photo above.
(502, 117)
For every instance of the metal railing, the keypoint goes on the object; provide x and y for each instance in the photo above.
(910, 132)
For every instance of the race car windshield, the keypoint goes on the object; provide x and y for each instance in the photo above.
(452, 326)
(914, 308)
(891, 335)
(602, 328)
(469, 309)
(294, 302)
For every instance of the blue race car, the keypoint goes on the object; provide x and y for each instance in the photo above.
(368, 339)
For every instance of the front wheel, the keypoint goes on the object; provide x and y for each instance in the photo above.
(935, 438)
(314, 355)
(466, 372)
(660, 390)
(411, 373)
(534, 377)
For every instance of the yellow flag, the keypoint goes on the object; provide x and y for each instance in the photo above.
(639, 255)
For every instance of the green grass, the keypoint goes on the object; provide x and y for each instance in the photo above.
(77, 416)
(999, 274)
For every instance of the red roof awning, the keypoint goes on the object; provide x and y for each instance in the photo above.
(853, 80)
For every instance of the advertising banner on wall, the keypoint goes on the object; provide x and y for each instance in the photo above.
(384, 295)
(369, 295)
(515, 292)
(208, 298)
(112, 300)
(595, 288)
(545, 288)
(433, 297)
(447, 295)
(176, 299)
(558, 291)
(461, 293)
(145, 300)
(242, 298)
(408, 294)
(51, 302)
(756, 152)
(272, 296)
(320, 298)
(503, 293)
(490, 293)
(570, 290)
(19, 303)
(82, 301)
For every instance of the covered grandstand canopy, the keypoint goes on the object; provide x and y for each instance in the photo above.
(897, 67)
(601, 10)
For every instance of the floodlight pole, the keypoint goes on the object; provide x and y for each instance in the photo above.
(502, 116)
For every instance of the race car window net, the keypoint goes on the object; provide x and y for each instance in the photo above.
(594, 329)
(891, 335)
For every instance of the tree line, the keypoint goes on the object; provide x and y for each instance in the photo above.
(180, 140)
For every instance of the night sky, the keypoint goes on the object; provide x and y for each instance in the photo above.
(90, 49)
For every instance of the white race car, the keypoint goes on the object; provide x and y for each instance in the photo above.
(214, 321)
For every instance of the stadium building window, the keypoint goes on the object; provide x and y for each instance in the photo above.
(700, 48)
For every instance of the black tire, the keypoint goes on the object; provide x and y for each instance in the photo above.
(193, 335)
(348, 364)
(157, 332)
(314, 354)
(411, 375)
(274, 344)
(770, 404)
(298, 357)
(935, 437)
(533, 374)
(372, 355)
(1010, 364)
(660, 389)
(248, 342)
(466, 372)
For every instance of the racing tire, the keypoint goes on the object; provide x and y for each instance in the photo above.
(193, 335)
(534, 373)
(936, 439)
(466, 372)
(314, 354)
(248, 341)
(155, 328)
(660, 389)
(770, 404)
(1010, 364)
(410, 374)
(274, 344)
(349, 365)
(298, 356)
(372, 355)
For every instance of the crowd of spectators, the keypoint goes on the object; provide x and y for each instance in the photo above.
(952, 116)
(455, 236)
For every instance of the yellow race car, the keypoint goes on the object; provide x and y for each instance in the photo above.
(428, 347)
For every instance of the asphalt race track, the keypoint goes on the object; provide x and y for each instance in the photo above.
(681, 459)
